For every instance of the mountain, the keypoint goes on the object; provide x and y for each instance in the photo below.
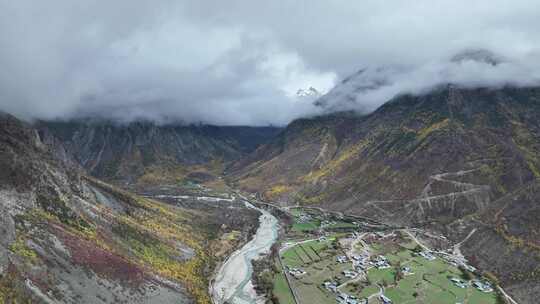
(477, 55)
(396, 152)
(144, 152)
(455, 159)
(364, 90)
(70, 238)
(311, 92)
(348, 93)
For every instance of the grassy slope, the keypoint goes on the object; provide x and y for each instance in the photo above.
(167, 225)
(139, 243)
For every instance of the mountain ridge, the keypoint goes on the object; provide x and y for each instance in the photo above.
(125, 153)
(402, 125)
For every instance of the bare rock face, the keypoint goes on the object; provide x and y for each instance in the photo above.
(7, 230)
(125, 152)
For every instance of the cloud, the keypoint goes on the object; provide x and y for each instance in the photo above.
(369, 88)
(240, 61)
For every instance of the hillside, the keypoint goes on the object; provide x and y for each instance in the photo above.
(399, 152)
(454, 159)
(144, 152)
(69, 238)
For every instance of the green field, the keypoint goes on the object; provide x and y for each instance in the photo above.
(281, 289)
(307, 226)
(317, 248)
(315, 220)
(377, 276)
(318, 259)
(296, 211)
(292, 258)
(429, 283)
(321, 266)
(304, 254)
(339, 225)
(309, 288)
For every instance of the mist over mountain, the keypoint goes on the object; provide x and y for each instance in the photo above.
(241, 63)
(369, 88)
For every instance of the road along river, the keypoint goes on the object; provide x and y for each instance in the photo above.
(233, 281)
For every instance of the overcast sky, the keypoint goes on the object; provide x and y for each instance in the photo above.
(242, 61)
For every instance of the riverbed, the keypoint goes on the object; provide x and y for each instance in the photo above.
(233, 280)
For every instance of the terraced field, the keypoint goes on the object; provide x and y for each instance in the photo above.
(309, 222)
(426, 281)
(316, 260)
(282, 291)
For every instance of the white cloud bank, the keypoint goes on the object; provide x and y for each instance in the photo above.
(240, 61)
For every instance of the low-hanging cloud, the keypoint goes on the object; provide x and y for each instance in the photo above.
(369, 88)
(240, 61)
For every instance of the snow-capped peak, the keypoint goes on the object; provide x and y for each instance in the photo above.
(310, 92)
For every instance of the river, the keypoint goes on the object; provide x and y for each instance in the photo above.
(233, 280)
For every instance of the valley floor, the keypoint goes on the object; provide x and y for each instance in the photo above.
(326, 259)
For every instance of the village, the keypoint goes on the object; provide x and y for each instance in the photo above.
(332, 260)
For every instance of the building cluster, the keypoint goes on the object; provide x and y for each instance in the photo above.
(360, 263)
(296, 272)
(342, 259)
(459, 282)
(327, 223)
(380, 262)
(350, 274)
(406, 270)
(482, 286)
(331, 286)
(303, 218)
(342, 298)
(428, 255)
(459, 262)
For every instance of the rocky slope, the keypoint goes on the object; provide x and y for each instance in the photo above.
(148, 153)
(454, 154)
(504, 240)
(68, 238)
(411, 149)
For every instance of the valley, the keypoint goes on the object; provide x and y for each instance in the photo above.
(414, 203)
(326, 257)
(72, 238)
(269, 152)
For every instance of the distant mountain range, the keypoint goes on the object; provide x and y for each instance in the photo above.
(135, 152)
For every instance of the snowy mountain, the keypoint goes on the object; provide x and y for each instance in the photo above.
(310, 92)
